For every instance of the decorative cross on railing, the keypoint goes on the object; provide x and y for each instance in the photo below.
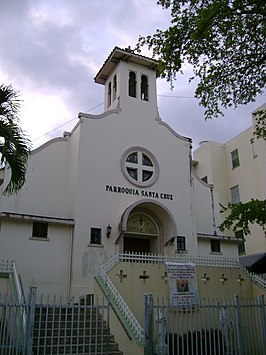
(240, 279)
(223, 279)
(165, 277)
(204, 278)
(121, 275)
(144, 276)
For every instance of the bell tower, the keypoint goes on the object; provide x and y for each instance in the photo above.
(129, 80)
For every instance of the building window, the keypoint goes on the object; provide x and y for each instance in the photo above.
(180, 243)
(39, 230)
(254, 155)
(241, 246)
(114, 88)
(215, 246)
(96, 236)
(139, 166)
(109, 94)
(132, 84)
(235, 196)
(144, 88)
(235, 158)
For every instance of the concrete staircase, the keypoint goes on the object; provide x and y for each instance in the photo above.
(72, 329)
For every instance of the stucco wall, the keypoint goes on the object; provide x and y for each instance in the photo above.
(43, 262)
(214, 160)
(228, 249)
(100, 166)
(132, 288)
(46, 188)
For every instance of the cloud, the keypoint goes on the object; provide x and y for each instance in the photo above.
(51, 51)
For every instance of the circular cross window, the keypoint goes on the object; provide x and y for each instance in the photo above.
(140, 166)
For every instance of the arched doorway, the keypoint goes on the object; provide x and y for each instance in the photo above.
(141, 234)
(145, 227)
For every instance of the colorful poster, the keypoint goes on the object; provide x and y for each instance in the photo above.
(183, 286)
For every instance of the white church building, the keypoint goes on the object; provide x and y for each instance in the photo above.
(121, 181)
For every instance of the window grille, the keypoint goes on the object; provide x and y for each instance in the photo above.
(215, 246)
(96, 236)
(235, 196)
(235, 158)
(39, 230)
(180, 243)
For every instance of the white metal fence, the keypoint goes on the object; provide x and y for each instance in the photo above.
(215, 327)
(55, 327)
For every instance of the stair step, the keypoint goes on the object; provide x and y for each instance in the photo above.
(68, 344)
(74, 324)
(44, 339)
(70, 331)
(56, 351)
(74, 329)
(76, 313)
(81, 349)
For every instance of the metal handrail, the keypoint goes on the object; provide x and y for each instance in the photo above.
(122, 306)
(20, 296)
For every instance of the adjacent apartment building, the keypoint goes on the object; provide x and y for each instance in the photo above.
(237, 170)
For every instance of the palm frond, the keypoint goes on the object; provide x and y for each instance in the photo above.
(15, 147)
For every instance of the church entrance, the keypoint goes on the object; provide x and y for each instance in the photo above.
(145, 228)
(136, 245)
(141, 235)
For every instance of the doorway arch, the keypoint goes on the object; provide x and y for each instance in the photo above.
(145, 226)
(142, 232)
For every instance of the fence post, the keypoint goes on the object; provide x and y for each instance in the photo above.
(238, 326)
(263, 319)
(148, 324)
(30, 319)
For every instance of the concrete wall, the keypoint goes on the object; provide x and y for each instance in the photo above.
(228, 249)
(206, 208)
(214, 160)
(215, 284)
(132, 288)
(211, 158)
(44, 262)
(46, 188)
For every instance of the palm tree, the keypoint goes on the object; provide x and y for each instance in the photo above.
(14, 145)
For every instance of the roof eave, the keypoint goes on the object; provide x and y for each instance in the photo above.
(118, 55)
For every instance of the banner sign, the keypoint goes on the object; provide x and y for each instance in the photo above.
(183, 286)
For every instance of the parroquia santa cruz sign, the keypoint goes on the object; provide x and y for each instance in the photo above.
(138, 192)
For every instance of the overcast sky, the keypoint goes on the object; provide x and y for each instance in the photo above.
(51, 51)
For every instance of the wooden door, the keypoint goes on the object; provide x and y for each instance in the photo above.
(136, 245)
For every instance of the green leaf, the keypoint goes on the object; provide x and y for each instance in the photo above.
(243, 214)
(224, 41)
(15, 147)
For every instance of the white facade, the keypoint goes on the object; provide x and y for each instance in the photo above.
(124, 168)
(244, 177)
